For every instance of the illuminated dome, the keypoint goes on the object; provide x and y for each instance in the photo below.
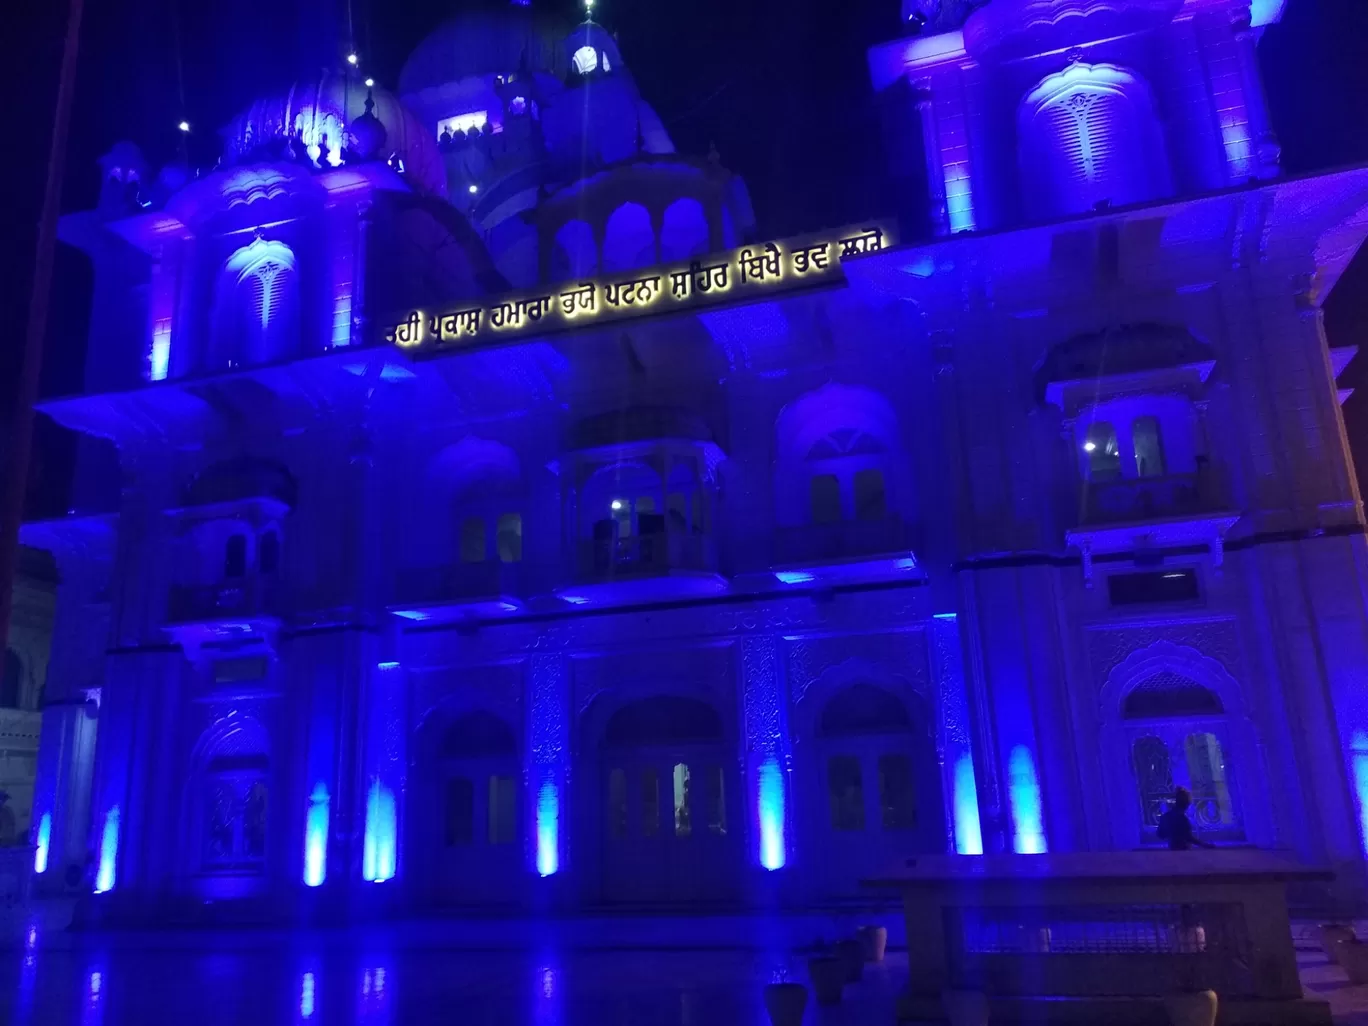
(498, 38)
(318, 117)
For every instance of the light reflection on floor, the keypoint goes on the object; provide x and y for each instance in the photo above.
(206, 979)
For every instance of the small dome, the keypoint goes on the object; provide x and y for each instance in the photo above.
(321, 114)
(368, 134)
(497, 38)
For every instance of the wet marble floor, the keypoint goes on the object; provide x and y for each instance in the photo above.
(646, 972)
(152, 985)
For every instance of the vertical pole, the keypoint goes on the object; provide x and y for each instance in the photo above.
(21, 432)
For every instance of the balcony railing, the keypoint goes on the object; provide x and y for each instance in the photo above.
(247, 598)
(814, 544)
(460, 583)
(645, 555)
(1149, 498)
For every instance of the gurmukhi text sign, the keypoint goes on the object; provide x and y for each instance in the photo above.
(759, 271)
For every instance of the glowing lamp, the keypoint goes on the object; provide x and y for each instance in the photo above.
(352, 59)
(1089, 446)
(370, 83)
(474, 189)
(588, 5)
(184, 126)
(616, 505)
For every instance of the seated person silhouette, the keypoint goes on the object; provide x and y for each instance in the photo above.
(1176, 828)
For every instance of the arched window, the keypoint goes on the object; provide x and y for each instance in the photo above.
(586, 60)
(847, 480)
(1089, 135)
(235, 807)
(629, 239)
(480, 481)
(839, 460)
(1148, 447)
(256, 306)
(235, 556)
(1103, 454)
(1176, 727)
(11, 685)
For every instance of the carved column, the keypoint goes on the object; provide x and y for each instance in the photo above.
(383, 763)
(958, 778)
(546, 766)
(767, 758)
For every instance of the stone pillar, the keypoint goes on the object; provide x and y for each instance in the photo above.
(61, 793)
(958, 778)
(546, 765)
(383, 776)
(766, 762)
(66, 748)
(991, 603)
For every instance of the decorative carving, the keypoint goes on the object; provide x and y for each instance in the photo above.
(498, 686)
(949, 663)
(762, 695)
(1214, 640)
(548, 727)
(900, 654)
(704, 669)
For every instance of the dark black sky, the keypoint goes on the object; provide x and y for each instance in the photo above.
(779, 86)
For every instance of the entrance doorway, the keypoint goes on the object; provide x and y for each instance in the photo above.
(475, 850)
(670, 826)
(873, 790)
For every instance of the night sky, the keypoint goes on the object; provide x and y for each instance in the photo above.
(781, 88)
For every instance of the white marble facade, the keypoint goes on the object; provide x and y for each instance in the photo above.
(984, 549)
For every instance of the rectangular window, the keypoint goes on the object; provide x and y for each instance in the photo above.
(897, 798)
(717, 802)
(682, 816)
(870, 500)
(473, 540)
(650, 803)
(617, 803)
(503, 810)
(1104, 458)
(1154, 586)
(508, 536)
(825, 495)
(845, 792)
(460, 812)
(1149, 448)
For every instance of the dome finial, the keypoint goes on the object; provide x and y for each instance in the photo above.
(367, 133)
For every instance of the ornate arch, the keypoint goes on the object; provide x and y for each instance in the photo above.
(256, 304)
(1116, 736)
(233, 734)
(455, 702)
(1161, 656)
(1087, 134)
(811, 696)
